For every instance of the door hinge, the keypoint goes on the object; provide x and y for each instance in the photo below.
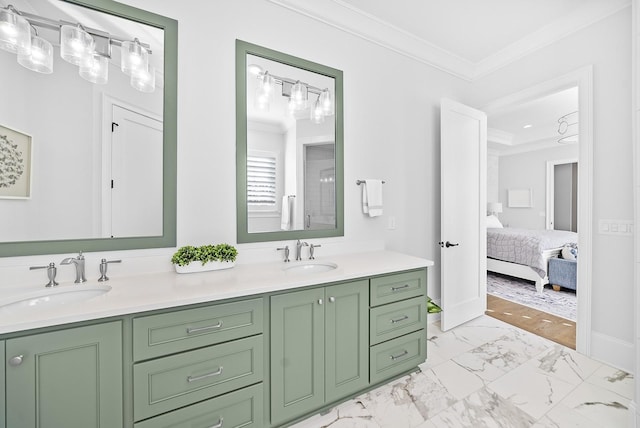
(113, 126)
(112, 184)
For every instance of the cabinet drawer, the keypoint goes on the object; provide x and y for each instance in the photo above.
(168, 383)
(396, 356)
(399, 286)
(163, 334)
(243, 408)
(396, 319)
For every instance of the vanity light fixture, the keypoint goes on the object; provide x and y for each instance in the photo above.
(295, 90)
(15, 31)
(88, 48)
(40, 57)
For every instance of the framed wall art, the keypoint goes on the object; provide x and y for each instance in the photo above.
(15, 164)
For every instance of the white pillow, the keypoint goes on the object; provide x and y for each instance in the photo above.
(569, 252)
(493, 222)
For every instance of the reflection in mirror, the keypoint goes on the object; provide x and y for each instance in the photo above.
(289, 173)
(99, 128)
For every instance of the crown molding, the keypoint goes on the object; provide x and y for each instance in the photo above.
(375, 30)
(368, 27)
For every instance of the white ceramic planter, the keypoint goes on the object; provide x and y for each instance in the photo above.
(199, 267)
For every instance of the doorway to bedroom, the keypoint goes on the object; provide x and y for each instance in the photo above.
(533, 166)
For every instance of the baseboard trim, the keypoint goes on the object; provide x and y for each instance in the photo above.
(613, 351)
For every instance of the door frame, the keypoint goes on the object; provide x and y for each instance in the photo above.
(583, 79)
(551, 181)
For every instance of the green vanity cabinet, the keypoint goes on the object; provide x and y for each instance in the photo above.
(319, 347)
(398, 318)
(67, 378)
(201, 366)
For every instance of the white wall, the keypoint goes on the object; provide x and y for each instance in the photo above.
(607, 46)
(528, 171)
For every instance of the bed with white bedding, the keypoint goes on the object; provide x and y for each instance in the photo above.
(524, 253)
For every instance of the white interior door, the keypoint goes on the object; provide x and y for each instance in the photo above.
(136, 174)
(463, 153)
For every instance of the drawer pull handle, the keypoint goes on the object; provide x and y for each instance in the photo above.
(209, 327)
(402, 287)
(204, 376)
(402, 318)
(219, 424)
(400, 355)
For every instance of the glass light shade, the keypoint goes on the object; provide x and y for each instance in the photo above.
(264, 92)
(326, 102)
(317, 114)
(95, 69)
(134, 58)
(75, 44)
(299, 96)
(39, 58)
(144, 80)
(15, 32)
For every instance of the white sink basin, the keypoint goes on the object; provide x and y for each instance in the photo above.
(310, 267)
(52, 297)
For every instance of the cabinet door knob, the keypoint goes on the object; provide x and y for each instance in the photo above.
(332, 299)
(320, 301)
(16, 361)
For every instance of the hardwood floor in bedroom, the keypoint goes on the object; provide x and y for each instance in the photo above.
(557, 329)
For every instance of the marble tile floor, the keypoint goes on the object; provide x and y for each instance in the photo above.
(487, 373)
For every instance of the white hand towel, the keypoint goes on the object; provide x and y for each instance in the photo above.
(372, 197)
(285, 221)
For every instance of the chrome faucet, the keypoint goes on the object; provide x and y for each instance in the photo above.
(299, 246)
(79, 262)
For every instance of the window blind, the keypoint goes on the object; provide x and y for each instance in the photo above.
(261, 180)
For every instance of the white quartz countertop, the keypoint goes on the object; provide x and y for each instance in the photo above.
(140, 293)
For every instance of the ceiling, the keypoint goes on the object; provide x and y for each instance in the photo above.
(472, 38)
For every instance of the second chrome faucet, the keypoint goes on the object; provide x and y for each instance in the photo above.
(79, 264)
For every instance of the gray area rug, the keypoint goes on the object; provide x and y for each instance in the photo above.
(563, 303)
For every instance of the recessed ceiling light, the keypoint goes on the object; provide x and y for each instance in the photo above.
(527, 126)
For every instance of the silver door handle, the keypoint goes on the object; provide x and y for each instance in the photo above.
(219, 424)
(332, 299)
(402, 318)
(204, 376)
(209, 327)
(320, 301)
(400, 355)
(447, 244)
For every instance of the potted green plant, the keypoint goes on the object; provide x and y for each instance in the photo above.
(189, 259)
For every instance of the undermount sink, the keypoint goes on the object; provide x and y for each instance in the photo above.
(52, 297)
(310, 267)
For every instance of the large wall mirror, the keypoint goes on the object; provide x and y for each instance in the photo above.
(87, 127)
(289, 146)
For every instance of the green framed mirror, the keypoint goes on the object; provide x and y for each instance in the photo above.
(86, 184)
(289, 147)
